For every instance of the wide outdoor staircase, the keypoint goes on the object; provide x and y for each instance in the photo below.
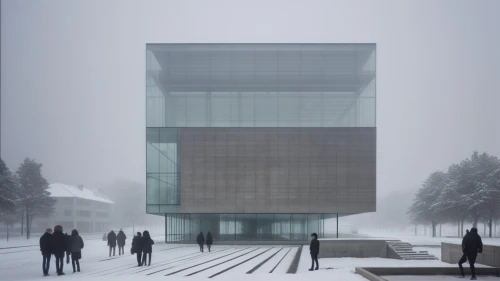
(406, 252)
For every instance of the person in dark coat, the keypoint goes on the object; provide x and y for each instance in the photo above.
(314, 250)
(464, 257)
(120, 239)
(137, 247)
(209, 241)
(471, 246)
(112, 242)
(75, 246)
(46, 248)
(200, 240)
(60, 247)
(66, 237)
(147, 247)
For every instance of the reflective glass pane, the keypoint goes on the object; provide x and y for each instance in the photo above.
(224, 109)
(197, 109)
(176, 112)
(310, 110)
(266, 110)
(288, 109)
(247, 110)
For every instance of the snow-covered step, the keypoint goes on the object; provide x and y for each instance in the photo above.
(405, 251)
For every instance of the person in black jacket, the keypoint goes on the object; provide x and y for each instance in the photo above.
(464, 256)
(471, 245)
(314, 250)
(120, 239)
(209, 241)
(75, 246)
(137, 247)
(46, 248)
(200, 240)
(147, 247)
(60, 247)
(112, 242)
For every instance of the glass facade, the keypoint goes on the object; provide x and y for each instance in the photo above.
(259, 141)
(260, 85)
(162, 171)
(245, 227)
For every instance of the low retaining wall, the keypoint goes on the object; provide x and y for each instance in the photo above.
(375, 273)
(355, 248)
(451, 253)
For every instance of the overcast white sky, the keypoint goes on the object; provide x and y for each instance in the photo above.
(73, 76)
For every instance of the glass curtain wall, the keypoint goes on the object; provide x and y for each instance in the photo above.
(260, 85)
(163, 168)
(244, 227)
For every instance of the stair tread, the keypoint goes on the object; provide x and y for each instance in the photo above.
(405, 251)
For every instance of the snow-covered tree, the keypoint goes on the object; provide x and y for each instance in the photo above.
(422, 211)
(450, 203)
(8, 196)
(470, 181)
(471, 192)
(490, 194)
(33, 195)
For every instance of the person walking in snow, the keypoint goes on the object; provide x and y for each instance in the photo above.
(209, 241)
(471, 246)
(120, 239)
(137, 247)
(60, 246)
(463, 259)
(112, 242)
(200, 240)
(147, 247)
(46, 248)
(314, 251)
(75, 246)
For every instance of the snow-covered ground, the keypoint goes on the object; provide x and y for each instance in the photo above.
(172, 261)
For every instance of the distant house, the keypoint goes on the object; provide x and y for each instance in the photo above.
(79, 208)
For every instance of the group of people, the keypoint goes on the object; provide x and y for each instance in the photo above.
(200, 239)
(471, 246)
(142, 245)
(114, 240)
(61, 244)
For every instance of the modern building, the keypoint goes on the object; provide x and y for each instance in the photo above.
(259, 141)
(79, 208)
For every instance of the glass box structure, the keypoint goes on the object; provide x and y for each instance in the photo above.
(259, 141)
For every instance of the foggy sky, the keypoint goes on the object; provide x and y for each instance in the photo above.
(73, 76)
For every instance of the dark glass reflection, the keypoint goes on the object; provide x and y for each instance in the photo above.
(244, 227)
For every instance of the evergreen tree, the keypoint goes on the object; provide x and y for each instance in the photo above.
(470, 191)
(33, 195)
(451, 203)
(490, 194)
(8, 196)
(422, 211)
(471, 184)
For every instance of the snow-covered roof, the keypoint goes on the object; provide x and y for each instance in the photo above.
(64, 190)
